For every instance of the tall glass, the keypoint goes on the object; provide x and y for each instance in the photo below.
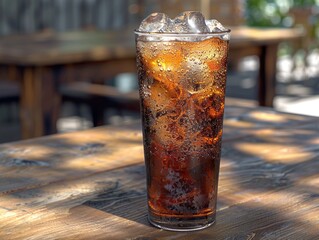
(182, 80)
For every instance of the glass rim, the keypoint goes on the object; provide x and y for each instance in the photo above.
(172, 34)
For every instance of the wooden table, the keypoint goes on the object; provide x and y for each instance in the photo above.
(40, 62)
(91, 184)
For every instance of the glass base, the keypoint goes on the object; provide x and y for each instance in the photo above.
(182, 224)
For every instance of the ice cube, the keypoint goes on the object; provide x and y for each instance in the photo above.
(214, 26)
(160, 98)
(197, 77)
(163, 62)
(186, 22)
(156, 22)
(211, 51)
(189, 22)
(169, 132)
(203, 61)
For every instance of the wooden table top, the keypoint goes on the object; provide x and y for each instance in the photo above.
(91, 184)
(72, 47)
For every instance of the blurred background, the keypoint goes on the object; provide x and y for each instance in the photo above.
(297, 73)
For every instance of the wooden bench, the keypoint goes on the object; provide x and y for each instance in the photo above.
(99, 98)
(9, 97)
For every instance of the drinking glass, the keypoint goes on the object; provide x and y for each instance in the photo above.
(182, 79)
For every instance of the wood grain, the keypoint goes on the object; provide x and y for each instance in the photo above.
(91, 184)
(67, 156)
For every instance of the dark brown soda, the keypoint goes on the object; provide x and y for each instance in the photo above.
(182, 88)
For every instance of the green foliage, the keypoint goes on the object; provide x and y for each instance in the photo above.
(275, 13)
(269, 13)
(302, 3)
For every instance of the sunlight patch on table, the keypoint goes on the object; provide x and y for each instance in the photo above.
(268, 117)
(276, 152)
(312, 183)
(106, 160)
(238, 124)
(292, 205)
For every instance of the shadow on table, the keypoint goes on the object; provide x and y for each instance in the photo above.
(123, 199)
(266, 188)
(260, 173)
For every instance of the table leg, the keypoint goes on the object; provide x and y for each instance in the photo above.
(267, 75)
(39, 102)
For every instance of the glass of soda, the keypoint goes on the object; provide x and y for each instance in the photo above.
(182, 78)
